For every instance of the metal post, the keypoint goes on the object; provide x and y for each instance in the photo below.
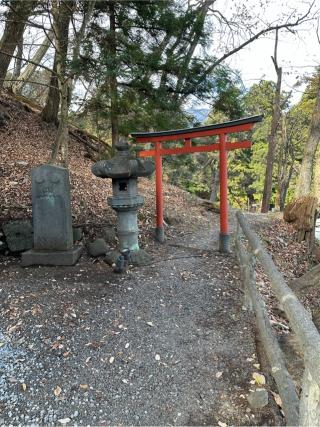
(159, 194)
(224, 238)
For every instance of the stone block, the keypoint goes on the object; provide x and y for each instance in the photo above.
(77, 234)
(36, 257)
(18, 235)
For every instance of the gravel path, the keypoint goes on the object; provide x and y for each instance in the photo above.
(166, 344)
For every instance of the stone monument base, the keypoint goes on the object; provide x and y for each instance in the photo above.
(36, 257)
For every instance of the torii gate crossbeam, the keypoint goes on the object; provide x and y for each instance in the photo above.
(222, 130)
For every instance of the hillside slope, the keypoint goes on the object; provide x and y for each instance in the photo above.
(26, 143)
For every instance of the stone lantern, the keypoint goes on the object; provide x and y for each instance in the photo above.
(124, 170)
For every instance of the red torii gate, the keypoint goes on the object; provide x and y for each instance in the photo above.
(220, 129)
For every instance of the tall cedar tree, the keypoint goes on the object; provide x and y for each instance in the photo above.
(16, 17)
(304, 184)
(62, 12)
(144, 60)
(267, 190)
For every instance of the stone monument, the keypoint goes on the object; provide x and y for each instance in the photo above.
(52, 221)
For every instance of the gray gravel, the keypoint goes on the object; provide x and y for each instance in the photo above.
(166, 344)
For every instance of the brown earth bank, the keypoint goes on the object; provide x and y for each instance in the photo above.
(26, 142)
(291, 257)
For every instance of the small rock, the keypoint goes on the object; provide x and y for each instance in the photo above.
(119, 266)
(109, 234)
(111, 257)
(19, 235)
(258, 398)
(171, 217)
(97, 247)
(64, 421)
(77, 233)
(140, 258)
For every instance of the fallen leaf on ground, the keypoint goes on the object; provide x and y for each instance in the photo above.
(259, 378)
(36, 310)
(56, 345)
(84, 386)
(57, 391)
(95, 344)
(24, 386)
(13, 328)
(277, 399)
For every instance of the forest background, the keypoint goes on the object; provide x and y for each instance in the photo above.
(115, 67)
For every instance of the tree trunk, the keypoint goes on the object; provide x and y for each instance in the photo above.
(283, 189)
(316, 173)
(87, 14)
(306, 171)
(50, 111)
(17, 16)
(61, 18)
(267, 190)
(18, 61)
(31, 67)
(194, 37)
(215, 185)
(285, 166)
(113, 84)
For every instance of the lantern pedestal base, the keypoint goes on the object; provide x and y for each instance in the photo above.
(224, 243)
(159, 232)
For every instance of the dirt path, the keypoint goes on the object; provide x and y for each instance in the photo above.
(166, 344)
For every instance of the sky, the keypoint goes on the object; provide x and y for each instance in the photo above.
(298, 54)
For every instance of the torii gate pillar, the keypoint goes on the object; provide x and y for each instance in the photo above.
(224, 237)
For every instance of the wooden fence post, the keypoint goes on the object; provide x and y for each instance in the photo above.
(310, 397)
(246, 270)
